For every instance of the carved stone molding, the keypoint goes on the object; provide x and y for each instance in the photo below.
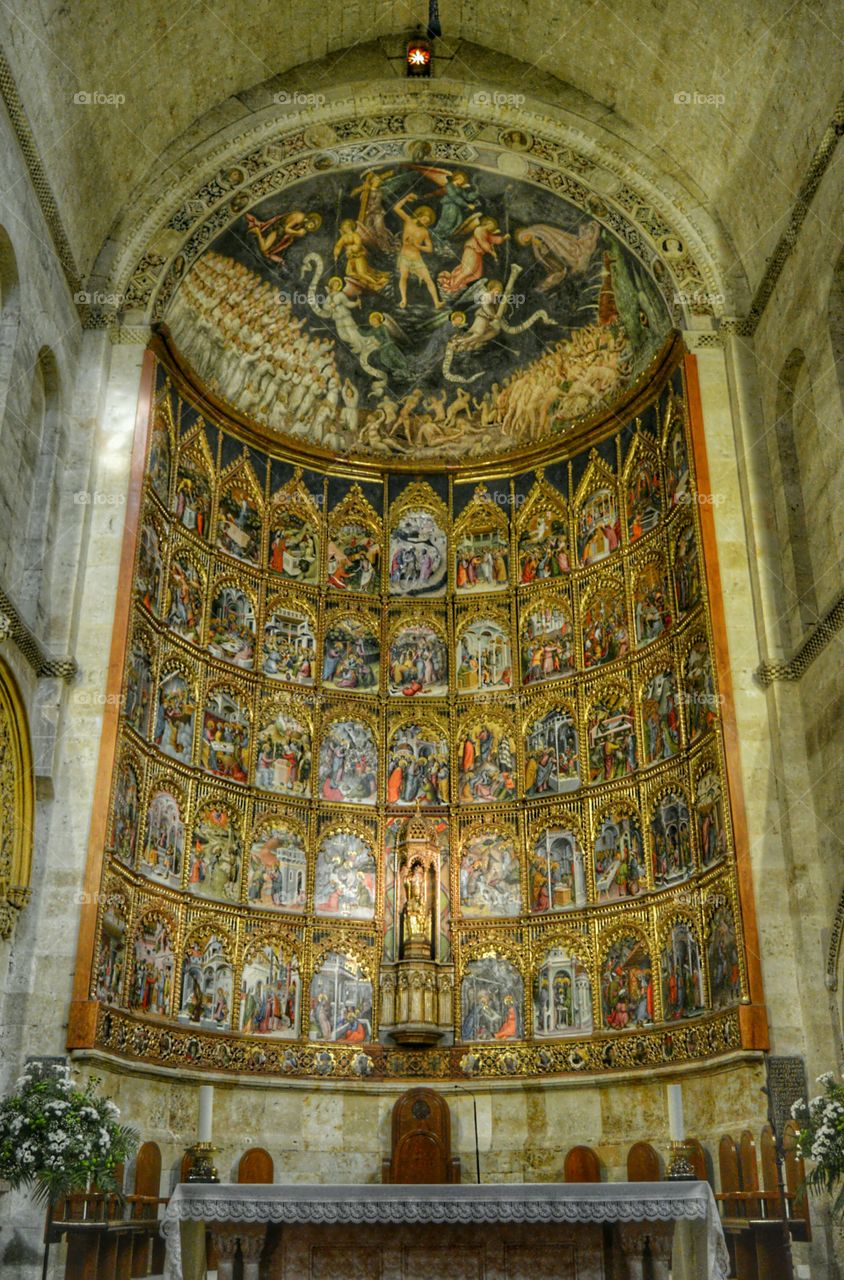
(811, 648)
(45, 665)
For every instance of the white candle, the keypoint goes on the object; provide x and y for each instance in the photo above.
(206, 1111)
(676, 1125)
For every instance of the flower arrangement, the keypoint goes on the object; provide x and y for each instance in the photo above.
(58, 1138)
(821, 1138)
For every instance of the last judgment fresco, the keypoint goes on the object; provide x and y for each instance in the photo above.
(420, 719)
(413, 309)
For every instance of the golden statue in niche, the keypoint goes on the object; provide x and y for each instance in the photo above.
(416, 915)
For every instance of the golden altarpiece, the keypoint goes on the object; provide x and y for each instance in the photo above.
(425, 760)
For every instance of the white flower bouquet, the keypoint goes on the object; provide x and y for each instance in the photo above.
(821, 1139)
(59, 1139)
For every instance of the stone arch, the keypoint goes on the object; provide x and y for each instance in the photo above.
(16, 803)
(795, 409)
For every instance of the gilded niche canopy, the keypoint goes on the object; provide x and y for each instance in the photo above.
(440, 312)
(374, 717)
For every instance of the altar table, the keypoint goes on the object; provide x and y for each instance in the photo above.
(510, 1231)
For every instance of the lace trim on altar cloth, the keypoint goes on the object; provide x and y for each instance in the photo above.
(374, 1204)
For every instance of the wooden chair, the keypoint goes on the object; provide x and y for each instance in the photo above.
(749, 1175)
(581, 1165)
(774, 1207)
(737, 1231)
(256, 1166)
(795, 1177)
(643, 1163)
(144, 1204)
(421, 1141)
(697, 1157)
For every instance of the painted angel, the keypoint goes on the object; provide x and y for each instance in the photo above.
(275, 235)
(559, 252)
(483, 235)
(459, 200)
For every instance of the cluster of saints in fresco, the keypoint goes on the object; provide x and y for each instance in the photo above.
(523, 664)
(418, 309)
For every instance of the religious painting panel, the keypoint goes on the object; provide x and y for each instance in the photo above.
(125, 816)
(418, 661)
(486, 762)
(216, 849)
(597, 517)
(627, 997)
(348, 762)
(192, 501)
(547, 640)
(491, 1000)
(723, 957)
(137, 698)
(207, 984)
(660, 717)
(643, 492)
(160, 454)
(283, 749)
(239, 517)
(340, 1000)
(278, 867)
(651, 602)
(345, 876)
(543, 535)
(619, 854)
(681, 973)
(294, 541)
(354, 546)
(700, 697)
(418, 767)
(481, 546)
(226, 734)
(611, 736)
(671, 836)
(490, 874)
(562, 996)
(687, 577)
(162, 857)
(271, 992)
(175, 713)
(552, 757)
(111, 950)
(184, 595)
(289, 647)
(154, 966)
(351, 659)
(484, 656)
(418, 563)
(556, 866)
(231, 625)
(709, 813)
(676, 455)
(149, 569)
(604, 623)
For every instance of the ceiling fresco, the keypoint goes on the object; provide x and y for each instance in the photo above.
(417, 310)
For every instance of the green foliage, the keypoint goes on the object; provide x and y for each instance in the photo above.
(821, 1139)
(59, 1139)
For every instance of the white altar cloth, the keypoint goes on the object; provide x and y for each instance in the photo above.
(365, 1204)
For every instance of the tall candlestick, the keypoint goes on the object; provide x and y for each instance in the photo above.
(676, 1124)
(206, 1111)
